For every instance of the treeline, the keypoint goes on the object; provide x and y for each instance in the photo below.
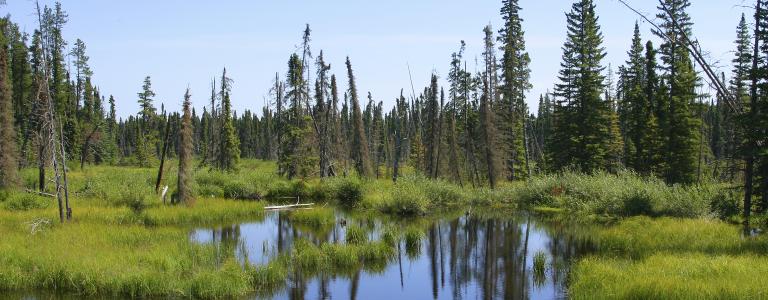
(650, 115)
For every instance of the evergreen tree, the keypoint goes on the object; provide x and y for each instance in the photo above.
(653, 154)
(515, 75)
(229, 150)
(146, 99)
(638, 107)
(431, 130)
(185, 191)
(682, 125)
(583, 119)
(359, 147)
(296, 155)
(9, 162)
(487, 124)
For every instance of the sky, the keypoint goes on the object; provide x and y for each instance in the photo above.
(186, 43)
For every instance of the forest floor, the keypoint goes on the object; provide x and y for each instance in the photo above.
(652, 240)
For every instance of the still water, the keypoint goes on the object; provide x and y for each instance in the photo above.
(461, 256)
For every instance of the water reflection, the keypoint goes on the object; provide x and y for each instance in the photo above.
(459, 257)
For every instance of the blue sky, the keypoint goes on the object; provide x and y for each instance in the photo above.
(186, 43)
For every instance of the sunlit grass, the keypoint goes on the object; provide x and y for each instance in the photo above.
(671, 276)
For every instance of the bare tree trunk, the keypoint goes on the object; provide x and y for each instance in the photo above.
(162, 156)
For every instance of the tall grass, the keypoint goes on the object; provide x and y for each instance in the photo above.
(671, 276)
(640, 237)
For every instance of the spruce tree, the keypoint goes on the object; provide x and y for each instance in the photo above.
(229, 150)
(653, 155)
(487, 124)
(515, 75)
(682, 124)
(296, 156)
(9, 162)
(583, 118)
(638, 107)
(146, 99)
(185, 191)
(431, 133)
(359, 147)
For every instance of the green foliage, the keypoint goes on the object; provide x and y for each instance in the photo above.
(670, 276)
(413, 237)
(356, 235)
(348, 192)
(240, 190)
(414, 195)
(641, 237)
(137, 201)
(624, 194)
(539, 263)
(25, 201)
(315, 218)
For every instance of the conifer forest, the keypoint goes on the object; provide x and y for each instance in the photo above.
(641, 180)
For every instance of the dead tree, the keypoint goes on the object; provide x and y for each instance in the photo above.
(54, 140)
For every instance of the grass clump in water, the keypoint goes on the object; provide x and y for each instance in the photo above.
(315, 218)
(539, 263)
(356, 235)
(413, 237)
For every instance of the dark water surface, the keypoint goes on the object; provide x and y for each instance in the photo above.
(462, 256)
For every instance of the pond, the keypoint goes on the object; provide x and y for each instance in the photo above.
(465, 255)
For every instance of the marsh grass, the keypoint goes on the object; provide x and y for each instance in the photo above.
(667, 258)
(640, 237)
(356, 235)
(671, 276)
(316, 218)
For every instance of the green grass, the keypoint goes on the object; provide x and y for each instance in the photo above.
(666, 258)
(672, 276)
(640, 237)
(316, 218)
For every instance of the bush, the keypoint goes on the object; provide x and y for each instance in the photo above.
(23, 201)
(348, 193)
(408, 198)
(4, 195)
(289, 191)
(136, 200)
(638, 203)
(240, 190)
(726, 204)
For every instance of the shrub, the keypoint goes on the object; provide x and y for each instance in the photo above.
(289, 191)
(726, 204)
(638, 203)
(348, 193)
(136, 200)
(407, 198)
(24, 201)
(240, 190)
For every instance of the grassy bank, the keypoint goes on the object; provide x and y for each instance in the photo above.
(644, 258)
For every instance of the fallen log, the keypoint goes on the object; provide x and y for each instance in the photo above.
(39, 193)
(290, 206)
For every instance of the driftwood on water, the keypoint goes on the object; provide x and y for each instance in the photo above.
(290, 206)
